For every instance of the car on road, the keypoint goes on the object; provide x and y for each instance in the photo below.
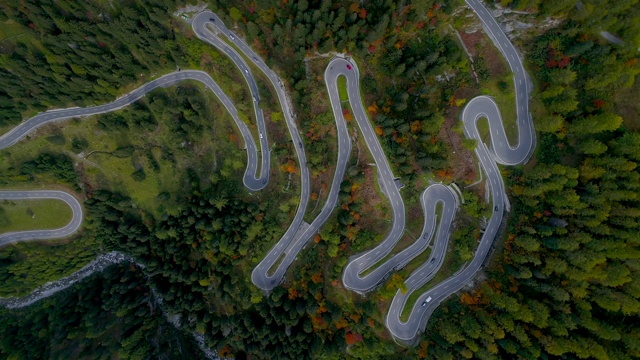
(212, 19)
(247, 71)
(260, 135)
(495, 208)
(348, 66)
(426, 301)
(231, 36)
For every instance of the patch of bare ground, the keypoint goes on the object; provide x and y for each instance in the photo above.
(481, 47)
(627, 104)
(471, 41)
(463, 167)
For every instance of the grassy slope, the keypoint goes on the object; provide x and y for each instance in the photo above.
(342, 88)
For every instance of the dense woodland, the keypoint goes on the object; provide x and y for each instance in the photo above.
(565, 283)
(79, 53)
(111, 314)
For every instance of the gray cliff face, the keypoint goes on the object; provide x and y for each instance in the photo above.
(515, 24)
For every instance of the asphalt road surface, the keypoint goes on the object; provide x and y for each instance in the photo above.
(433, 195)
(499, 152)
(70, 228)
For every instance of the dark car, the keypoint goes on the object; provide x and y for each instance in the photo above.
(212, 19)
(349, 67)
(495, 209)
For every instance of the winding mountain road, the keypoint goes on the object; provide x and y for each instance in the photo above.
(351, 275)
(264, 276)
(439, 202)
(250, 180)
(208, 27)
(499, 152)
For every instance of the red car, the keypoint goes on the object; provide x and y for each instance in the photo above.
(349, 67)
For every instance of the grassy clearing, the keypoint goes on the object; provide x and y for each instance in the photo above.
(214, 155)
(483, 129)
(104, 168)
(626, 101)
(506, 100)
(276, 264)
(342, 88)
(10, 28)
(377, 264)
(43, 214)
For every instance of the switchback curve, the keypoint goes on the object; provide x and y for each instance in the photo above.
(70, 228)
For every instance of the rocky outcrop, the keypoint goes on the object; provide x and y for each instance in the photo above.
(515, 24)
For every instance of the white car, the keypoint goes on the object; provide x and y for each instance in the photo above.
(260, 135)
(426, 301)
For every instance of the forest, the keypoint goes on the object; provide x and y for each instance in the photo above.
(564, 282)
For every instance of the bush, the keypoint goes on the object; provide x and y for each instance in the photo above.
(57, 139)
(123, 151)
(139, 175)
(78, 145)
